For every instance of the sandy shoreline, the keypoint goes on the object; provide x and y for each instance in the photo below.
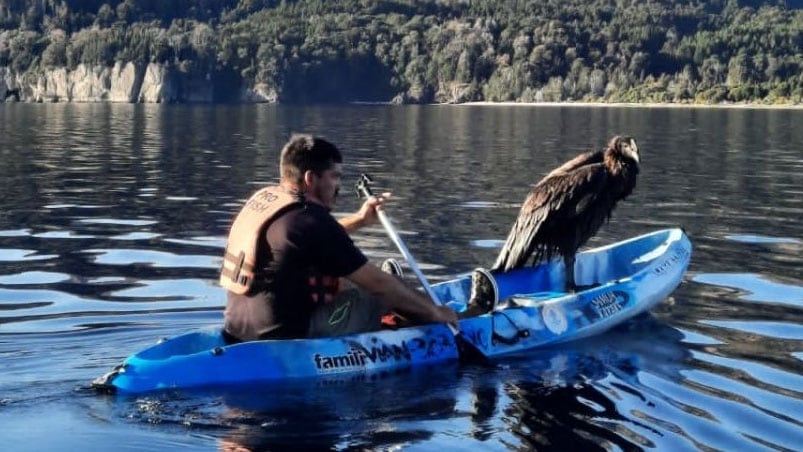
(636, 105)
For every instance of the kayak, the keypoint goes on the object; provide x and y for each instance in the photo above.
(624, 279)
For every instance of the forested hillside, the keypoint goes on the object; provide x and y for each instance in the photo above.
(421, 51)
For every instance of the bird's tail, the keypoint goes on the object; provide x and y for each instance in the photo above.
(512, 255)
(521, 243)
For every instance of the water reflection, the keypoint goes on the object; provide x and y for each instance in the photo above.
(311, 415)
(541, 400)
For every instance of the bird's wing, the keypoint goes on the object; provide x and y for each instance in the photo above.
(586, 158)
(571, 193)
(520, 242)
(558, 198)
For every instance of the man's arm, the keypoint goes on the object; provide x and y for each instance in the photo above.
(397, 296)
(366, 215)
(352, 222)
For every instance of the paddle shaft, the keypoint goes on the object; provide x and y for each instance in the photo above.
(394, 236)
(467, 350)
(364, 189)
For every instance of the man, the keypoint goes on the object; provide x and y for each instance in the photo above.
(287, 257)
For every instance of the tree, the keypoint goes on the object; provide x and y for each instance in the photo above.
(55, 54)
(105, 17)
(436, 49)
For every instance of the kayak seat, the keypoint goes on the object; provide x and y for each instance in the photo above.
(484, 290)
(393, 320)
(392, 267)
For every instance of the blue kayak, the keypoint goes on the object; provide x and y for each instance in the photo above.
(627, 278)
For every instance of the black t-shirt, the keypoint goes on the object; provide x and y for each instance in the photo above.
(304, 245)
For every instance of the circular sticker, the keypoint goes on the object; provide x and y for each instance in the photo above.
(554, 319)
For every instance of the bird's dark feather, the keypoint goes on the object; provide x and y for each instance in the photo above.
(586, 158)
(566, 208)
(555, 200)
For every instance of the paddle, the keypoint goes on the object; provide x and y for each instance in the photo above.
(468, 351)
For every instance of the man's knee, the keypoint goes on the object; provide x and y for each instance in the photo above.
(352, 311)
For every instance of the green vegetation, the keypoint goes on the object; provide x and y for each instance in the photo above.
(697, 51)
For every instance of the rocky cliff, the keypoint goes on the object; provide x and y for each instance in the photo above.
(128, 82)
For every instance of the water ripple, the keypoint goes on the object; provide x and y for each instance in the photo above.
(789, 383)
(780, 330)
(157, 259)
(22, 255)
(755, 287)
(117, 221)
(61, 235)
(33, 277)
(15, 233)
(748, 238)
(136, 236)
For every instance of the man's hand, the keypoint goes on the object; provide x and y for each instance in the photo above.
(396, 296)
(367, 213)
(445, 314)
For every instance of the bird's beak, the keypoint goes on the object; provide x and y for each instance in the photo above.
(634, 147)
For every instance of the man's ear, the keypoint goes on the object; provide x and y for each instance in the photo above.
(309, 178)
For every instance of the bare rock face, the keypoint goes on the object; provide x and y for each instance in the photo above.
(153, 88)
(127, 82)
(88, 84)
(120, 83)
(259, 93)
(52, 86)
(5, 88)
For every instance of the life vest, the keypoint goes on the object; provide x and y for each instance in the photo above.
(239, 261)
(323, 289)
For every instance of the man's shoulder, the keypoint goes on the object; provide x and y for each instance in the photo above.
(310, 215)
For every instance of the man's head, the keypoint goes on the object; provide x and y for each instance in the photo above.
(312, 165)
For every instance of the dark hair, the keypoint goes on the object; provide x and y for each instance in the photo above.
(307, 153)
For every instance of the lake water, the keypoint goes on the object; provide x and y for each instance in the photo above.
(113, 219)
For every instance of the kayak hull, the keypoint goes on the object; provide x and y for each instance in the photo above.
(626, 279)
